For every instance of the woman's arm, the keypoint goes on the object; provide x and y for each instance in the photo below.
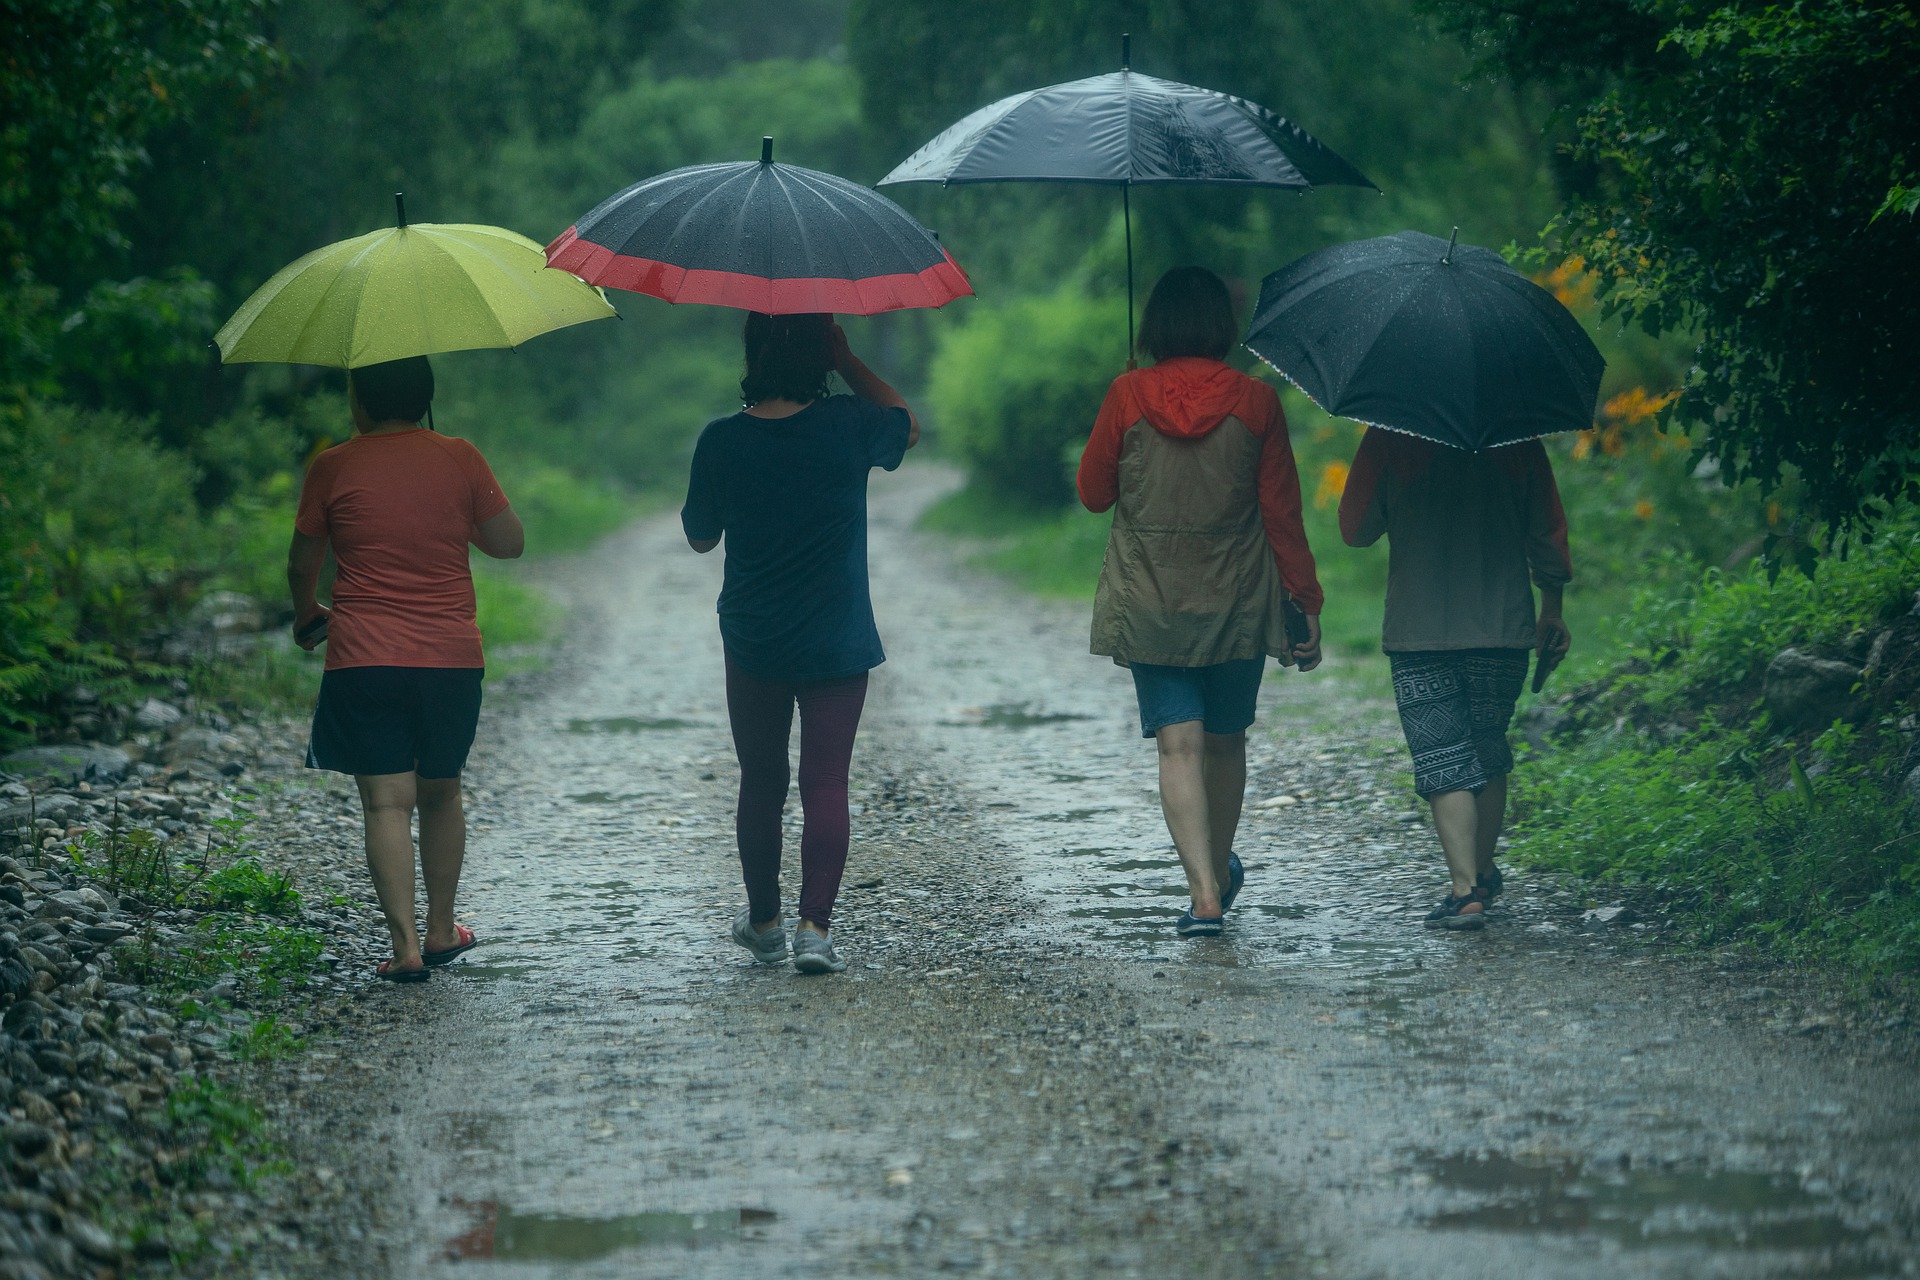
(1362, 517)
(868, 385)
(1098, 480)
(304, 558)
(501, 537)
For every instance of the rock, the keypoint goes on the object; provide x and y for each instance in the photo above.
(228, 613)
(29, 1139)
(67, 765)
(1541, 723)
(53, 808)
(106, 932)
(202, 744)
(90, 1239)
(1804, 691)
(1615, 914)
(155, 714)
(1910, 786)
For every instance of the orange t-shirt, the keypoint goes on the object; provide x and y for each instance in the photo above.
(400, 510)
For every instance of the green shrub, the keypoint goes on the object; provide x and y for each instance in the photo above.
(1014, 390)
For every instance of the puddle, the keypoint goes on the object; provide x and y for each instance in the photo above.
(628, 724)
(500, 1233)
(1014, 715)
(1072, 815)
(1640, 1207)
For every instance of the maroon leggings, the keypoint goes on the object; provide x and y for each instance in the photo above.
(762, 715)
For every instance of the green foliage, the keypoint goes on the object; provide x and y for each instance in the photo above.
(1677, 785)
(219, 1130)
(244, 885)
(1737, 163)
(84, 83)
(1825, 869)
(1016, 386)
(267, 1040)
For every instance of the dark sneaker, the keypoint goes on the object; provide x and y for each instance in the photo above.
(1469, 912)
(769, 945)
(1493, 884)
(814, 953)
(1191, 926)
(1236, 876)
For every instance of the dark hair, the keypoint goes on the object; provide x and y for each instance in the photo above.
(397, 391)
(1189, 313)
(788, 357)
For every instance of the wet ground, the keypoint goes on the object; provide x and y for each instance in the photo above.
(1024, 1073)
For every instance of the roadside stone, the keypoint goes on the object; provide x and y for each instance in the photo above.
(155, 714)
(1618, 913)
(29, 1139)
(91, 1239)
(68, 765)
(1805, 691)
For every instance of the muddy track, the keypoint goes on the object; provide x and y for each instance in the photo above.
(1023, 1073)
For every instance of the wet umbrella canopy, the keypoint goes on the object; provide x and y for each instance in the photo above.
(763, 237)
(1125, 129)
(408, 290)
(1439, 340)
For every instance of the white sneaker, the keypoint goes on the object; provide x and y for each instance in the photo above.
(814, 953)
(769, 945)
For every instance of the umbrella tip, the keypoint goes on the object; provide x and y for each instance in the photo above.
(400, 208)
(1451, 241)
(766, 150)
(1126, 50)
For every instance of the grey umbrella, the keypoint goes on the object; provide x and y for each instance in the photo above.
(1125, 129)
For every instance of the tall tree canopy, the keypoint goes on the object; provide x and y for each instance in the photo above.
(1747, 177)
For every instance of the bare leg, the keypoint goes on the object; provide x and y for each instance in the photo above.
(1225, 765)
(387, 799)
(1490, 816)
(443, 848)
(1183, 799)
(1456, 815)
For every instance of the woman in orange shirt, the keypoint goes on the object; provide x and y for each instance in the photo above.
(400, 699)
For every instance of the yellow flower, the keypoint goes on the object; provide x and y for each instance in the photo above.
(1643, 510)
(1333, 483)
(1773, 513)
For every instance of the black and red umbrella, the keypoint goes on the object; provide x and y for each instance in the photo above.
(764, 237)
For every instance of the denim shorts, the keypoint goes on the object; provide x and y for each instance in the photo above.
(1221, 696)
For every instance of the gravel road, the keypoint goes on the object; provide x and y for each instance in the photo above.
(1024, 1073)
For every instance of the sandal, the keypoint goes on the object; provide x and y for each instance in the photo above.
(388, 973)
(1468, 912)
(1236, 877)
(467, 943)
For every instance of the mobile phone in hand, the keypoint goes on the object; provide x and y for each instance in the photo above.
(314, 632)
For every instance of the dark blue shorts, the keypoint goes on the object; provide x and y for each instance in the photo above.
(1221, 696)
(374, 720)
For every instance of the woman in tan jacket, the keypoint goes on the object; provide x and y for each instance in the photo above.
(1206, 550)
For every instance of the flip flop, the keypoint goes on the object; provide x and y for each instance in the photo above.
(386, 972)
(467, 943)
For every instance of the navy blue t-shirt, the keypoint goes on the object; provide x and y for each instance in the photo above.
(790, 494)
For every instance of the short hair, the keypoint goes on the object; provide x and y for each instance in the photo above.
(1189, 313)
(395, 391)
(788, 357)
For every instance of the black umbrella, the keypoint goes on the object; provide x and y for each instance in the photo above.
(762, 237)
(1423, 335)
(1125, 129)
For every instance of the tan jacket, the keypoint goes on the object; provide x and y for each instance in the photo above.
(1207, 537)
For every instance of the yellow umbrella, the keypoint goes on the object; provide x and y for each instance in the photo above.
(408, 291)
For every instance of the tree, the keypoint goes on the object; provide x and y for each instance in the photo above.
(1749, 172)
(82, 84)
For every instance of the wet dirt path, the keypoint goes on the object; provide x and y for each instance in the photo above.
(1024, 1073)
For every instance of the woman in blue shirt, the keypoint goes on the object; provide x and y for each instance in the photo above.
(785, 481)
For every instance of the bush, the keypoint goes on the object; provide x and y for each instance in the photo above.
(1676, 783)
(1014, 390)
